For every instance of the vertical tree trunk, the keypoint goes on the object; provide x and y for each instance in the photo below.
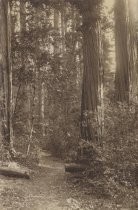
(56, 27)
(43, 107)
(35, 86)
(122, 59)
(3, 79)
(63, 28)
(6, 70)
(9, 76)
(93, 72)
(24, 91)
(133, 93)
(125, 52)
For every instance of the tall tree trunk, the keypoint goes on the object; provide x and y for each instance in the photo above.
(125, 51)
(133, 95)
(122, 59)
(93, 72)
(25, 101)
(43, 92)
(3, 79)
(6, 68)
(9, 75)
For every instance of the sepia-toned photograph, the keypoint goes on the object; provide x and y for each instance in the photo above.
(68, 104)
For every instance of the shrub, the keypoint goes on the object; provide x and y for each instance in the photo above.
(116, 154)
(120, 140)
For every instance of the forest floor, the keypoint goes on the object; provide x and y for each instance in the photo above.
(50, 188)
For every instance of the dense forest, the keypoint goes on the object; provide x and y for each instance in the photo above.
(69, 87)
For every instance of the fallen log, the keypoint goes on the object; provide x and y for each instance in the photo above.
(11, 172)
(74, 168)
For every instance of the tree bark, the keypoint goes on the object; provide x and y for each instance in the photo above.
(133, 95)
(9, 76)
(3, 78)
(6, 67)
(92, 90)
(122, 59)
(125, 52)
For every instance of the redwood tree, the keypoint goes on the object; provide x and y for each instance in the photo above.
(93, 72)
(125, 51)
(92, 76)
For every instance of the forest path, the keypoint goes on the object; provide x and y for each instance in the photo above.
(49, 188)
(46, 190)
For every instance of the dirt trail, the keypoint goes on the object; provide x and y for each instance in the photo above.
(42, 191)
(48, 189)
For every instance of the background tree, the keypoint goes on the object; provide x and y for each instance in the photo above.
(125, 51)
(6, 73)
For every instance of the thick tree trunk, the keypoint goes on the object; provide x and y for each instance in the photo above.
(125, 80)
(122, 58)
(124, 39)
(92, 77)
(133, 94)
